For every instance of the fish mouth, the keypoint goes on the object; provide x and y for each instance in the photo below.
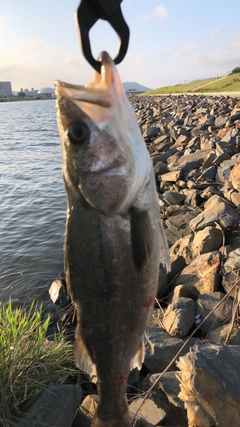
(103, 93)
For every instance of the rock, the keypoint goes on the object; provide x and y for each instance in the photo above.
(232, 240)
(179, 317)
(216, 210)
(224, 170)
(220, 335)
(149, 412)
(235, 176)
(160, 168)
(81, 419)
(176, 416)
(198, 156)
(193, 197)
(230, 140)
(55, 407)
(170, 176)
(202, 275)
(210, 385)
(162, 348)
(234, 117)
(180, 255)
(58, 293)
(89, 404)
(173, 197)
(170, 385)
(207, 240)
(179, 223)
(208, 174)
(220, 121)
(164, 156)
(208, 162)
(181, 291)
(150, 132)
(210, 191)
(181, 142)
(235, 198)
(231, 272)
(206, 303)
(160, 139)
(173, 132)
(220, 158)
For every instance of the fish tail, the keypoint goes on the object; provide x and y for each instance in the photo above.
(123, 421)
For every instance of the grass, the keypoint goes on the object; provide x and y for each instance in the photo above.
(28, 360)
(229, 83)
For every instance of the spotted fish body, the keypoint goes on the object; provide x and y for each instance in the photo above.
(114, 238)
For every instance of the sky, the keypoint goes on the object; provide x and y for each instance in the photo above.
(171, 42)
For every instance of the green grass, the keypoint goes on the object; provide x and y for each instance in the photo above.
(28, 360)
(229, 83)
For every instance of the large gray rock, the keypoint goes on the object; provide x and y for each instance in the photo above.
(179, 317)
(161, 348)
(170, 385)
(164, 394)
(149, 412)
(180, 255)
(202, 275)
(198, 157)
(207, 303)
(216, 210)
(220, 121)
(231, 270)
(179, 223)
(210, 385)
(226, 334)
(207, 240)
(181, 291)
(173, 197)
(235, 176)
(55, 407)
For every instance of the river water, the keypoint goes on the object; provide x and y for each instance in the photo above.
(32, 199)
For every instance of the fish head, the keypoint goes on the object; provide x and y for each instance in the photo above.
(104, 154)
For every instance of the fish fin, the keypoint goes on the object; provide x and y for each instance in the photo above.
(138, 359)
(81, 356)
(123, 421)
(141, 237)
(164, 250)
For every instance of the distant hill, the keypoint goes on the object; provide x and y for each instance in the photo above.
(134, 86)
(229, 83)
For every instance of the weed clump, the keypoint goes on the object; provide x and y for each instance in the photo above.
(29, 360)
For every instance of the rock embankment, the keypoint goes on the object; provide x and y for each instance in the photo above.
(194, 143)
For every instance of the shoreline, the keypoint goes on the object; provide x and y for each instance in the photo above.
(225, 94)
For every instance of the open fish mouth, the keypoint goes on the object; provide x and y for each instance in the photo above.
(100, 98)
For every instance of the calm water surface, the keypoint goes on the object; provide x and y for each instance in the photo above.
(32, 199)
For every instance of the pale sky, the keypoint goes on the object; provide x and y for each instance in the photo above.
(171, 42)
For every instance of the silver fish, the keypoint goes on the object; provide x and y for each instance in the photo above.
(114, 238)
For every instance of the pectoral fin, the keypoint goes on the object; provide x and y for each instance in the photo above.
(81, 356)
(138, 359)
(141, 237)
(164, 250)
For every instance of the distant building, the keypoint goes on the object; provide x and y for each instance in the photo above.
(46, 92)
(5, 89)
(30, 93)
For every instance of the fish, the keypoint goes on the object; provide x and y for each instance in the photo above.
(114, 239)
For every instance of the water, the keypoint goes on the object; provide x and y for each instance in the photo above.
(32, 199)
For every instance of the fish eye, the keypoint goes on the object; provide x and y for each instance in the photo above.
(78, 132)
